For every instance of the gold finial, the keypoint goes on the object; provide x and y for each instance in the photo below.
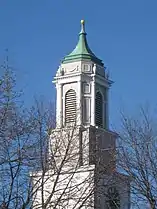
(82, 22)
(82, 26)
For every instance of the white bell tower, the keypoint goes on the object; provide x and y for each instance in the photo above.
(82, 86)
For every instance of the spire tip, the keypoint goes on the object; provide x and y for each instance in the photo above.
(82, 26)
(82, 22)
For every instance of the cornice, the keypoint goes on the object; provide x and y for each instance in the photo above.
(63, 77)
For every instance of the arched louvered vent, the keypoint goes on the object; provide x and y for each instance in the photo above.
(99, 110)
(70, 107)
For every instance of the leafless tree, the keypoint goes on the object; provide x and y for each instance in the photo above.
(58, 183)
(137, 157)
(15, 131)
(26, 155)
(72, 176)
(43, 167)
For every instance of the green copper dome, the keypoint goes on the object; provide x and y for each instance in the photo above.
(82, 50)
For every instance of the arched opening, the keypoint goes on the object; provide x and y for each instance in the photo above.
(99, 109)
(70, 107)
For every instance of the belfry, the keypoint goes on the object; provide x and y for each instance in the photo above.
(82, 77)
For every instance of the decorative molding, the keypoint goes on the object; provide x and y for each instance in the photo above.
(86, 68)
(74, 69)
(88, 85)
(66, 76)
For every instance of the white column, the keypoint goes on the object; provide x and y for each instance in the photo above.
(79, 103)
(59, 107)
(93, 102)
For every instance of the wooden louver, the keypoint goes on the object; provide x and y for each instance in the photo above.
(70, 107)
(99, 109)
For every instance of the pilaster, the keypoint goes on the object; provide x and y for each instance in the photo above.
(79, 102)
(93, 102)
(59, 108)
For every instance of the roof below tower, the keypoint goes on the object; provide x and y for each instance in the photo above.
(82, 50)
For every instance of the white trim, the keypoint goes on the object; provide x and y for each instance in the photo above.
(93, 102)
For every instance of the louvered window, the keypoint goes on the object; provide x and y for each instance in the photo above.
(70, 107)
(99, 110)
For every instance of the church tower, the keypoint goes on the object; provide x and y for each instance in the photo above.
(89, 156)
(82, 85)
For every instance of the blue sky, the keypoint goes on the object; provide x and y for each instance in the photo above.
(39, 33)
